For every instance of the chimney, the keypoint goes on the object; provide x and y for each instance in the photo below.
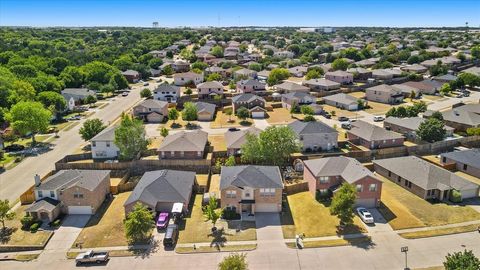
(37, 180)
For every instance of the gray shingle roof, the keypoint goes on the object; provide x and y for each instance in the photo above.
(322, 82)
(371, 132)
(290, 86)
(47, 204)
(185, 141)
(470, 157)
(251, 176)
(153, 104)
(77, 93)
(205, 107)
(467, 114)
(424, 174)
(349, 169)
(235, 139)
(411, 123)
(108, 134)
(165, 87)
(297, 95)
(163, 186)
(342, 98)
(212, 84)
(312, 127)
(88, 179)
(246, 98)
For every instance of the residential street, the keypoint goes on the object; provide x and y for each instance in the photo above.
(15, 181)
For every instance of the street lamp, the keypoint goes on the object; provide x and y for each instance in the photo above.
(405, 250)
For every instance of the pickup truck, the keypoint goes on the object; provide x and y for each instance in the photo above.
(92, 257)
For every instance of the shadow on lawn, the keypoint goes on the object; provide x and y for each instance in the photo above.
(145, 253)
(387, 214)
(219, 238)
(6, 234)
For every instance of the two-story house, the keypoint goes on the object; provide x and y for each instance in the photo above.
(187, 78)
(384, 94)
(167, 92)
(373, 137)
(297, 99)
(151, 110)
(103, 146)
(209, 89)
(315, 135)
(248, 101)
(234, 140)
(250, 86)
(250, 189)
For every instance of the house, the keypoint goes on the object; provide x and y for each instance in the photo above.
(407, 90)
(209, 89)
(445, 78)
(298, 71)
(461, 117)
(318, 85)
(215, 69)
(263, 75)
(103, 146)
(408, 126)
(288, 87)
(151, 110)
(315, 135)
(339, 76)
(248, 101)
(297, 98)
(132, 76)
(326, 175)
(159, 190)
(250, 86)
(381, 74)
(283, 54)
(205, 111)
(342, 101)
(158, 54)
(75, 96)
(250, 189)
(429, 87)
(167, 92)
(424, 179)
(244, 74)
(187, 78)
(467, 161)
(372, 136)
(155, 72)
(384, 94)
(415, 68)
(73, 192)
(235, 139)
(180, 66)
(360, 73)
(366, 63)
(184, 145)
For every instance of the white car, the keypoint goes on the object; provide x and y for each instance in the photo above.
(378, 118)
(365, 215)
(125, 94)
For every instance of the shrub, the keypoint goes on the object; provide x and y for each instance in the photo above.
(26, 221)
(455, 196)
(34, 227)
(55, 223)
(230, 214)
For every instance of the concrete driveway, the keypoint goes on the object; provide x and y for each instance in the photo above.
(269, 230)
(381, 225)
(261, 123)
(65, 236)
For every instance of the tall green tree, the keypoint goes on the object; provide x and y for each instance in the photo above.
(211, 211)
(243, 113)
(173, 115)
(343, 202)
(29, 117)
(5, 212)
(340, 64)
(90, 128)
(217, 51)
(277, 75)
(431, 130)
(146, 93)
(130, 138)
(53, 101)
(465, 260)
(189, 112)
(138, 223)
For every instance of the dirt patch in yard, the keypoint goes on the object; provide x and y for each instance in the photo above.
(339, 112)
(222, 121)
(279, 116)
(218, 142)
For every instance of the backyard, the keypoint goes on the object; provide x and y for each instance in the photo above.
(218, 142)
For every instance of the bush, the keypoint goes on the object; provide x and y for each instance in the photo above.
(55, 223)
(455, 196)
(34, 227)
(230, 214)
(26, 221)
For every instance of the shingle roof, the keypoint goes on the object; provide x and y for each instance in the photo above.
(108, 134)
(246, 98)
(342, 98)
(235, 139)
(163, 186)
(290, 86)
(312, 127)
(165, 87)
(251, 82)
(130, 72)
(468, 114)
(322, 82)
(470, 157)
(411, 123)
(185, 141)
(205, 107)
(349, 169)
(88, 179)
(424, 174)
(371, 132)
(251, 176)
(297, 95)
(46, 203)
(212, 84)
(153, 103)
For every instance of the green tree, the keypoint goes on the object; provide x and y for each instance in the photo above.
(465, 260)
(146, 93)
(243, 113)
(473, 131)
(139, 223)
(90, 128)
(343, 202)
(53, 101)
(189, 112)
(199, 65)
(168, 70)
(273, 146)
(306, 110)
(234, 261)
(90, 99)
(164, 132)
(340, 64)
(475, 51)
(446, 89)
(230, 161)
(21, 91)
(72, 77)
(431, 130)
(5, 213)
(469, 79)
(130, 138)
(229, 112)
(214, 77)
(188, 91)
(277, 75)
(255, 66)
(309, 118)
(217, 51)
(29, 117)
(438, 115)
(173, 115)
(313, 74)
(211, 212)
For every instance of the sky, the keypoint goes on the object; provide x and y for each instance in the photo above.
(175, 13)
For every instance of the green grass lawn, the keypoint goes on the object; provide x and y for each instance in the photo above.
(306, 215)
(195, 229)
(405, 210)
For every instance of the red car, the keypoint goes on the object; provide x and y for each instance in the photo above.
(162, 220)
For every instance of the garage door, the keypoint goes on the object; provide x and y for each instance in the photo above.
(79, 210)
(367, 203)
(258, 114)
(164, 207)
(266, 207)
(469, 193)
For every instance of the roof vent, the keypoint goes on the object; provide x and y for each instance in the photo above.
(456, 112)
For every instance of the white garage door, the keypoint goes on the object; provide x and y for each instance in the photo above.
(258, 115)
(79, 210)
(266, 207)
(469, 193)
(367, 203)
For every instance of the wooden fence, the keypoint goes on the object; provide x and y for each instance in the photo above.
(296, 188)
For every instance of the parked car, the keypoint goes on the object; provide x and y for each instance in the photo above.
(365, 215)
(171, 235)
(92, 257)
(14, 147)
(233, 129)
(145, 84)
(346, 125)
(378, 118)
(327, 115)
(162, 220)
(459, 96)
(466, 94)
(343, 119)
(125, 93)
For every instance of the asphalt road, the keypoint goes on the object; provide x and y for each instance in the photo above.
(15, 181)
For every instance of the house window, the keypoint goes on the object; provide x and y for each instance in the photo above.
(372, 187)
(231, 193)
(323, 191)
(182, 153)
(265, 192)
(464, 167)
(40, 194)
(389, 174)
(444, 159)
(163, 154)
(94, 144)
(323, 179)
(78, 195)
(52, 194)
(359, 188)
(231, 208)
(199, 153)
(108, 144)
(172, 153)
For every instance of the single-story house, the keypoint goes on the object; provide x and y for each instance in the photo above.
(151, 110)
(298, 71)
(467, 161)
(381, 74)
(415, 68)
(288, 87)
(74, 96)
(445, 78)
(429, 87)
(461, 118)
(234, 140)
(318, 85)
(342, 101)
(360, 73)
(372, 136)
(408, 126)
(184, 145)
(205, 111)
(315, 135)
(245, 73)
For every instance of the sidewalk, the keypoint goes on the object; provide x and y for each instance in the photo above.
(438, 227)
(333, 237)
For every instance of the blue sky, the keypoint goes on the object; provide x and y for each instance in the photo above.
(239, 13)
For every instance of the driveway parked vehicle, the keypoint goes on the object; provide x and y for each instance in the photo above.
(233, 129)
(171, 235)
(346, 125)
(124, 94)
(343, 119)
(365, 215)
(378, 118)
(162, 220)
(92, 257)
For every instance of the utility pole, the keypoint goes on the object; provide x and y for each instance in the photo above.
(405, 250)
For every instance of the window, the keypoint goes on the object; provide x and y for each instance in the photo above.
(182, 153)
(265, 192)
(389, 174)
(108, 144)
(231, 193)
(199, 153)
(40, 193)
(372, 187)
(78, 195)
(52, 194)
(323, 179)
(94, 144)
(359, 188)
(464, 167)
(172, 153)
(323, 191)
(444, 159)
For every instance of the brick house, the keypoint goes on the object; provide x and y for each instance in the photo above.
(132, 76)
(234, 140)
(408, 126)
(297, 98)
(209, 89)
(184, 145)
(151, 110)
(326, 175)
(384, 94)
(339, 76)
(372, 136)
(250, 86)
(467, 161)
(248, 101)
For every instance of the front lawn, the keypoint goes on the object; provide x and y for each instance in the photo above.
(339, 112)
(405, 210)
(279, 116)
(308, 216)
(222, 121)
(195, 229)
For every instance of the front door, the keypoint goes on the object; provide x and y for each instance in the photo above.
(247, 208)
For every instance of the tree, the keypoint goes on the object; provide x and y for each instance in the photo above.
(138, 223)
(5, 213)
(475, 51)
(188, 91)
(90, 99)
(309, 118)
(164, 132)
(234, 261)
(168, 70)
(229, 112)
(340, 64)
(173, 115)
(211, 212)
(465, 260)
(55, 102)
(90, 128)
(313, 74)
(72, 76)
(431, 130)
(277, 75)
(438, 115)
(445, 89)
(29, 117)
(343, 202)
(217, 51)
(473, 131)
(130, 138)
(438, 69)
(469, 79)
(230, 161)
(199, 65)
(146, 93)
(189, 112)
(255, 66)
(360, 104)
(273, 146)
(306, 110)
(214, 77)
(243, 113)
